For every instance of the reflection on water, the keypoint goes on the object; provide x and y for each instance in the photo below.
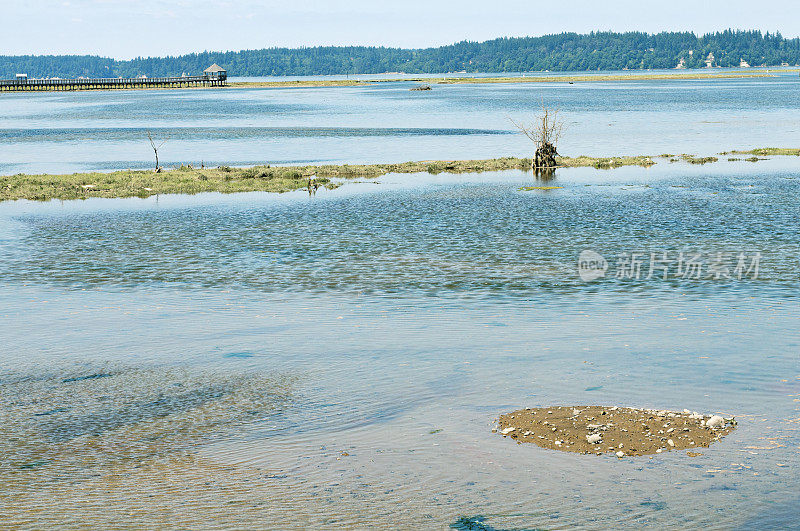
(338, 361)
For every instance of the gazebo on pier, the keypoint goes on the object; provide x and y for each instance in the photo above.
(216, 72)
(213, 76)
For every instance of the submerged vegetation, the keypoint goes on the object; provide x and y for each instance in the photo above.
(187, 179)
(72, 436)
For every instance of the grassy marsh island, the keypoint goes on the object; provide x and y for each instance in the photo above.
(764, 152)
(224, 179)
(187, 179)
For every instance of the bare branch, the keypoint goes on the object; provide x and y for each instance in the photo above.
(155, 148)
(546, 129)
(545, 133)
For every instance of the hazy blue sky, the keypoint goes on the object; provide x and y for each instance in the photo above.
(127, 28)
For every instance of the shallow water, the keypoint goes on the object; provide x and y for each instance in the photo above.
(339, 360)
(80, 131)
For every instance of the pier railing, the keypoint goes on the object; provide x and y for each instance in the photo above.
(110, 83)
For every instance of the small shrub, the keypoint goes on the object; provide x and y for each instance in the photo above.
(292, 174)
(436, 167)
(691, 159)
(605, 164)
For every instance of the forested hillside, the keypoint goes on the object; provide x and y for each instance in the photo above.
(565, 52)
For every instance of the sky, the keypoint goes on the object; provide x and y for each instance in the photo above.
(129, 28)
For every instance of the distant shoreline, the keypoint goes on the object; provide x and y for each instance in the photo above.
(501, 79)
(681, 75)
(224, 179)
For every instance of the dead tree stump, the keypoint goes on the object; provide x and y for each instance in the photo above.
(545, 157)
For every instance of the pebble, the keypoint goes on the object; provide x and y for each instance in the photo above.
(671, 442)
(620, 454)
(594, 438)
(507, 431)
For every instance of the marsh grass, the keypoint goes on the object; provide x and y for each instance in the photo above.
(763, 152)
(691, 159)
(604, 163)
(182, 180)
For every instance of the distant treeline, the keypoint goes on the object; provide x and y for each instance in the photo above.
(564, 52)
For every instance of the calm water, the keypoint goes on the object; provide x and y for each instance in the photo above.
(338, 360)
(51, 132)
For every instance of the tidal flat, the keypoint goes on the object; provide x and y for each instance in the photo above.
(530, 78)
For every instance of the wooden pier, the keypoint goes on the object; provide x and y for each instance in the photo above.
(24, 84)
